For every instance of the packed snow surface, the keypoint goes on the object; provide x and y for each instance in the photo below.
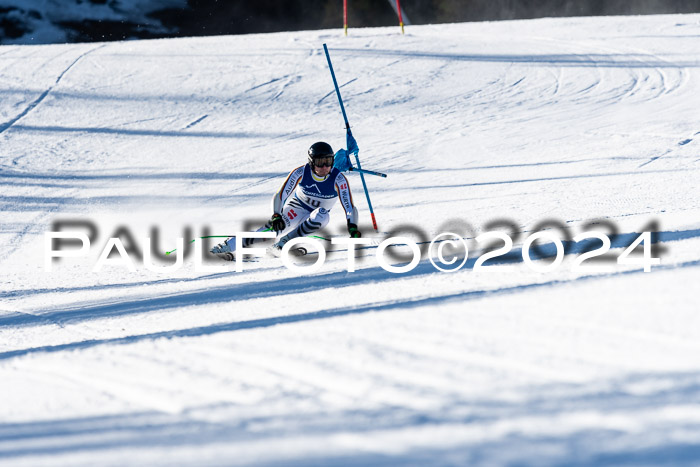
(587, 123)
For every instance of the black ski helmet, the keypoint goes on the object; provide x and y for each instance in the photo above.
(320, 149)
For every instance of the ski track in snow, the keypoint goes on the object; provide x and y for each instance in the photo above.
(5, 126)
(582, 122)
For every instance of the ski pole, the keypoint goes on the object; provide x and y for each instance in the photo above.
(347, 127)
(192, 241)
(229, 236)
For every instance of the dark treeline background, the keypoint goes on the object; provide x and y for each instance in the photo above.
(105, 20)
(240, 17)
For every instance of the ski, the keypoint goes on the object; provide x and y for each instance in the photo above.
(231, 256)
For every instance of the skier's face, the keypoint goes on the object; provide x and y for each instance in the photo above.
(323, 165)
(322, 171)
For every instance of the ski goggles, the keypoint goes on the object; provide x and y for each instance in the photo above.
(326, 161)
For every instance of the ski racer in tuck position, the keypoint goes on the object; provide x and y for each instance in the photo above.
(303, 203)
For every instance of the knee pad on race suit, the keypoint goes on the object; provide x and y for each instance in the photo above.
(320, 216)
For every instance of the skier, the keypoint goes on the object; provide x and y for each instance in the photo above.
(303, 203)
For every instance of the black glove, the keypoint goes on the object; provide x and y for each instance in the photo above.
(352, 229)
(277, 223)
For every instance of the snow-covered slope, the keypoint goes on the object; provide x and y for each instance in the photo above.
(567, 120)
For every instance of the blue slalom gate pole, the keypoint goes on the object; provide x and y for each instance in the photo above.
(347, 127)
(365, 171)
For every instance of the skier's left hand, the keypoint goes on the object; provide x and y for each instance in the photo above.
(352, 144)
(342, 157)
(342, 161)
(352, 229)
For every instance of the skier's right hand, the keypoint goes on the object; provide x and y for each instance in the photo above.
(277, 223)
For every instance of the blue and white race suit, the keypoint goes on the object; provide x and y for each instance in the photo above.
(305, 200)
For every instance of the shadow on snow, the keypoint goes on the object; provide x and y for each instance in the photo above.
(288, 286)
